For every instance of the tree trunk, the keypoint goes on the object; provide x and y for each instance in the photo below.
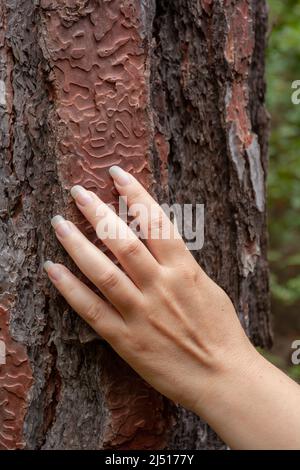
(173, 91)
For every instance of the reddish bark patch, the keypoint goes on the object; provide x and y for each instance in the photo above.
(100, 75)
(99, 71)
(236, 108)
(243, 142)
(140, 418)
(15, 383)
(240, 39)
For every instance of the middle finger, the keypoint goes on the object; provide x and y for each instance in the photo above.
(112, 282)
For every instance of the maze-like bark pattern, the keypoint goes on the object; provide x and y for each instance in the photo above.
(15, 383)
(152, 86)
(100, 76)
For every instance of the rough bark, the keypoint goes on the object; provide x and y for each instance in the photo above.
(174, 92)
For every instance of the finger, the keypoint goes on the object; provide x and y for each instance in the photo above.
(102, 317)
(133, 255)
(111, 281)
(161, 235)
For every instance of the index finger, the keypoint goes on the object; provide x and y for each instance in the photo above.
(162, 237)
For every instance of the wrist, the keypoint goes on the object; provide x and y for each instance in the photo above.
(230, 374)
(252, 405)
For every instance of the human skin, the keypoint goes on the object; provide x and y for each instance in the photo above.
(173, 324)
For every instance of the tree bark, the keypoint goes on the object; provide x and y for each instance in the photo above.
(173, 91)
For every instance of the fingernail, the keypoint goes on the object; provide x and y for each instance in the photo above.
(119, 175)
(61, 226)
(53, 270)
(81, 195)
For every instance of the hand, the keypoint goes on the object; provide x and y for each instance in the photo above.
(163, 314)
(173, 324)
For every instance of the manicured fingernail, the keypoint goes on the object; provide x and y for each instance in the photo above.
(61, 226)
(53, 270)
(81, 195)
(120, 176)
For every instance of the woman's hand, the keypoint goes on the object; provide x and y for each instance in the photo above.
(173, 324)
(164, 316)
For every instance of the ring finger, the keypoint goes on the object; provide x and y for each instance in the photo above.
(96, 266)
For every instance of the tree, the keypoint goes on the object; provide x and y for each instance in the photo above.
(172, 91)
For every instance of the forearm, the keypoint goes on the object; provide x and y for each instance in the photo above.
(253, 405)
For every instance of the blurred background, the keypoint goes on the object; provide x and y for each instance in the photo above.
(283, 68)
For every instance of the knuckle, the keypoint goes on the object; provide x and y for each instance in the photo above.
(189, 274)
(181, 273)
(108, 280)
(130, 248)
(100, 212)
(94, 312)
(76, 244)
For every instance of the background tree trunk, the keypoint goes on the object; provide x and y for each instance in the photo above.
(174, 92)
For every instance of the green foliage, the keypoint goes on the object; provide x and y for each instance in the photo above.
(283, 68)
